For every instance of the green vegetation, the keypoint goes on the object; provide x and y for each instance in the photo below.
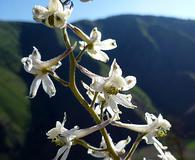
(191, 145)
(14, 106)
(14, 110)
(143, 101)
(10, 45)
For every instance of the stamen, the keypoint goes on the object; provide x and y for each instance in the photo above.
(111, 90)
(161, 133)
(51, 20)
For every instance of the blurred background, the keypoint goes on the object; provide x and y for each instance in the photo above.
(156, 43)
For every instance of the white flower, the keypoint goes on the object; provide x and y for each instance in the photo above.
(55, 134)
(111, 86)
(41, 69)
(65, 137)
(166, 156)
(100, 100)
(55, 15)
(93, 44)
(155, 127)
(119, 149)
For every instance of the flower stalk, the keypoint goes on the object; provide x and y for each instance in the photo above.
(82, 101)
(94, 99)
(63, 82)
(134, 147)
(88, 146)
(81, 53)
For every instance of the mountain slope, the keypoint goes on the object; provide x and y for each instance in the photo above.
(14, 106)
(159, 51)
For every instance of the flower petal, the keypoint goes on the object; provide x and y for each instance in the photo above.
(98, 55)
(120, 146)
(90, 92)
(167, 156)
(60, 19)
(55, 5)
(149, 117)
(135, 127)
(53, 68)
(164, 123)
(116, 80)
(28, 64)
(54, 132)
(80, 33)
(124, 100)
(82, 45)
(95, 35)
(156, 141)
(84, 132)
(61, 151)
(115, 69)
(159, 149)
(48, 86)
(97, 110)
(68, 6)
(89, 73)
(54, 63)
(34, 86)
(65, 155)
(130, 82)
(40, 13)
(69, 135)
(35, 55)
(112, 113)
(112, 103)
(108, 44)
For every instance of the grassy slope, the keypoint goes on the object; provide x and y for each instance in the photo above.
(14, 106)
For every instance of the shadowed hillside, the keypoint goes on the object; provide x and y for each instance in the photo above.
(160, 52)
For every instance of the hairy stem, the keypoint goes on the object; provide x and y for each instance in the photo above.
(82, 101)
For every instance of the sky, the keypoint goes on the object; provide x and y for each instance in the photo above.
(21, 10)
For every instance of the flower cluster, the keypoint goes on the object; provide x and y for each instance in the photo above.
(107, 94)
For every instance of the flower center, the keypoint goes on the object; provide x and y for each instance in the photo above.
(51, 20)
(90, 46)
(58, 141)
(161, 133)
(111, 90)
(58, 18)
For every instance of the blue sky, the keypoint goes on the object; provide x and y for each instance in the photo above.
(20, 10)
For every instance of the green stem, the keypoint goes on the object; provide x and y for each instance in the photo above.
(134, 147)
(63, 82)
(94, 99)
(78, 58)
(88, 146)
(82, 101)
(101, 110)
